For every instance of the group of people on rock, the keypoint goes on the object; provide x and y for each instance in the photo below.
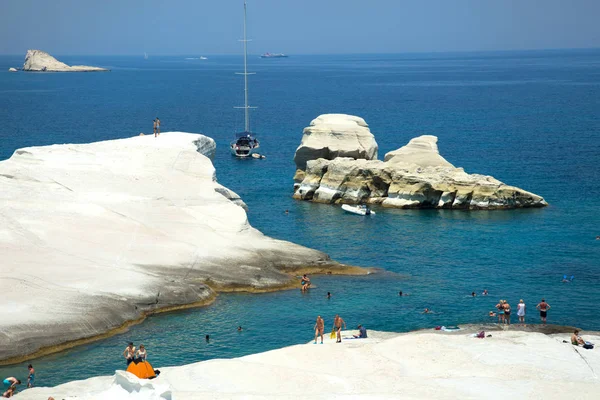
(504, 311)
(10, 383)
(336, 330)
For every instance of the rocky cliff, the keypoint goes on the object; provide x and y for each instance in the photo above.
(95, 235)
(414, 176)
(37, 60)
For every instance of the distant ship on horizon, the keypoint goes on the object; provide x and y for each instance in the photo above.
(273, 55)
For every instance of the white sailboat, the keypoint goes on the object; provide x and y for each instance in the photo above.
(245, 143)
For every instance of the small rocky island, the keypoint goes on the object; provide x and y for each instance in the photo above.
(40, 61)
(336, 162)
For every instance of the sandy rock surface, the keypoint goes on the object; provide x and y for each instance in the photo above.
(418, 365)
(93, 235)
(414, 176)
(37, 60)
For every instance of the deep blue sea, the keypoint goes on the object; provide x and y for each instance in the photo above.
(530, 119)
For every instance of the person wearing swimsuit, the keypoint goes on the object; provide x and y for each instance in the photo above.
(576, 340)
(319, 328)
(31, 376)
(543, 307)
(500, 308)
(506, 308)
(129, 353)
(140, 355)
(337, 323)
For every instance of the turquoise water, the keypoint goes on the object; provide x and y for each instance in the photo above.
(529, 119)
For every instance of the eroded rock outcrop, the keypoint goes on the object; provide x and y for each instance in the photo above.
(12, 69)
(37, 60)
(414, 176)
(94, 235)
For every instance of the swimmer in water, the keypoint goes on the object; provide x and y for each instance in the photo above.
(473, 294)
(485, 292)
(239, 328)
(427, 311)
(328, 295)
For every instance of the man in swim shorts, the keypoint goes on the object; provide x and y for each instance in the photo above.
(154, 127)
(337, 323)
(31, 376)
(157, 125)
(129, 353)
(319, 328)
(543, 307)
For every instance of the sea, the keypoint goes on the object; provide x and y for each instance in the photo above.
(530, 119)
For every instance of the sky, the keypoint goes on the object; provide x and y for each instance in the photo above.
(176, 27)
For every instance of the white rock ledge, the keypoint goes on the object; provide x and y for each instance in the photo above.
(418, 365)
(93, 235)
(40, 61)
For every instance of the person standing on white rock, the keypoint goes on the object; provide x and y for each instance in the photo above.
(129, 353)
(319, 328)
(521, 311)
(157, 125)
(543, 307)
(337, 323)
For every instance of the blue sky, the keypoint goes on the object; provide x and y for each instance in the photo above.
(295, 27)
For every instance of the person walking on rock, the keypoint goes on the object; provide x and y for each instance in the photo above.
(157, 125)
(319, 328)
(337, 323)
(543, 307)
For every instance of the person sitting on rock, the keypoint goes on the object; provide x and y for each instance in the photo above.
(305, 281)
(576, 340)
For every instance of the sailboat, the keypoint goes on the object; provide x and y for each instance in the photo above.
(245, 143)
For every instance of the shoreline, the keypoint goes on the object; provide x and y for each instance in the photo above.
(216, 290)
(418, 364)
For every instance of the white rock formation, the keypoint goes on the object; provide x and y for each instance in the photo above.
(93, 235)
(414, 176)
(419, 365)
(336, 135)
(12, 69)
(37, 60)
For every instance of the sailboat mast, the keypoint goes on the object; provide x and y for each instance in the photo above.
(247, 117)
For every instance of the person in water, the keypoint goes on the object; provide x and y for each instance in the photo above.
(141, 354)
(328, 295)
(521, 311)
(319, 328)
(473, 294)
(305, 281)
(577, 340)
(31, 376)
(543, 307)
(207, 338)
(362, 332)
(239, 328)
(337, 324)
(129, 353)
(426, 311)
(485, 292)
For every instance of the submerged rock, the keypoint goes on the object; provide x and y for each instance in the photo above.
(414, 176)
(37, 60)
(94, 235)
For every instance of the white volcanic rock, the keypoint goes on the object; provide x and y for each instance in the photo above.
(37, 60)
(414, 176)
(336, 135)
(93, 235)
(418, 365)
(12, 69)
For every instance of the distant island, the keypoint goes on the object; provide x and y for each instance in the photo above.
(40, 61)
